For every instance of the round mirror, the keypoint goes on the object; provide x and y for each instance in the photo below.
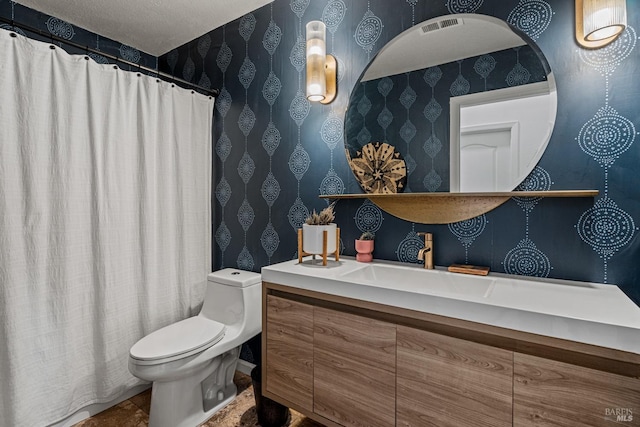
(460, 103)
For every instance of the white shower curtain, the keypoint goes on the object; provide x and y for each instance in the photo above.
(104, 224)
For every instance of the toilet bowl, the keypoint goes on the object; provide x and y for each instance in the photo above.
(192, 362)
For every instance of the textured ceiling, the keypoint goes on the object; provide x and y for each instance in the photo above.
(152, 26)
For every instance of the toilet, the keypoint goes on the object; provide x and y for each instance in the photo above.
(192, 362)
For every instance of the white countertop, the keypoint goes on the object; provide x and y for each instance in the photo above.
(590, 313)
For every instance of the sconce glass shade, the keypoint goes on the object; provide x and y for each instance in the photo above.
(603, 19)
(321, 68)
(316, 53)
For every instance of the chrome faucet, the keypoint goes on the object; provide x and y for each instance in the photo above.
(426, 253)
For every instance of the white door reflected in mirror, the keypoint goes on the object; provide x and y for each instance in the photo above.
(498, 137)
(486, 157)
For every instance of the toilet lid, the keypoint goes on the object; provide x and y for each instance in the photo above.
(186, 336)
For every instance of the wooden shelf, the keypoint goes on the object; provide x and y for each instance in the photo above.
(445, 208)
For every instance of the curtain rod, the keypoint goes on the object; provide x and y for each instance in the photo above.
(117, 59)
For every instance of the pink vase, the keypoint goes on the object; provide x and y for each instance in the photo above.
(364, 249)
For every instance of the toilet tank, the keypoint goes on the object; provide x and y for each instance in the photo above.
(233, 296)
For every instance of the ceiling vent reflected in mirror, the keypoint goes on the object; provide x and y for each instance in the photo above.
(439, 25)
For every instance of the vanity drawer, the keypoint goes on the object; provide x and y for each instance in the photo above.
(549, 392)
(445, 381)
(354, 365)
(289, 346)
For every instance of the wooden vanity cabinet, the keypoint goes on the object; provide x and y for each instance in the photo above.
(552, 393)
(346, 362)
(444, 381)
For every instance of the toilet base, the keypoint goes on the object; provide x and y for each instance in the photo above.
(188, 402)
(167, 417)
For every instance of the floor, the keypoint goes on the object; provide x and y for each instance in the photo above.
(239, 413)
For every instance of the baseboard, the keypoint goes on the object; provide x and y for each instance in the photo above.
(245, 367)
(93, 409)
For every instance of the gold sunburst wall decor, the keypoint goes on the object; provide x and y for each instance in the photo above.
(379, 168)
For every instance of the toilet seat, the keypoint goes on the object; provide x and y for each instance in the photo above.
(177, 341)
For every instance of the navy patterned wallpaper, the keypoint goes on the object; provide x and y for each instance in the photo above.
(275, 152)
(52, 25)
(410, 111)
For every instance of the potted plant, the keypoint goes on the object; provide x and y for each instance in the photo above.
(313, 228)
(364, 247)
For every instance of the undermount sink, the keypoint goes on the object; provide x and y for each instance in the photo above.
(419, 280)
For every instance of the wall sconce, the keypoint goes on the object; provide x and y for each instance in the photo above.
(599, 22)
(321, 68)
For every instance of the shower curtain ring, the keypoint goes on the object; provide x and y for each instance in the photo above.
(13, 30)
